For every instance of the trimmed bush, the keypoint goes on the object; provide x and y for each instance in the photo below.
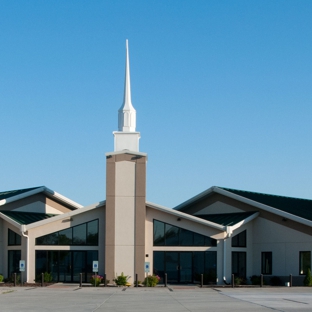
(151, 280)
(121, 280)
(308, 279)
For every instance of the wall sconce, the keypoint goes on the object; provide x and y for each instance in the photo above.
(146, 255)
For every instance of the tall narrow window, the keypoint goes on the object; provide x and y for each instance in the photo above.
(304, 262)
(239, 264)
(14, 256)
(266, 263)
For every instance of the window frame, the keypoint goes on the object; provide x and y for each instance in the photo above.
(16, 237)
(263, 265)
(56, 241)
(207, 240)
(240, 240)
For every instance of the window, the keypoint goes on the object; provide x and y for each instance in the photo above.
(239, 264)
(13, 238)
(186, 266)
(79, 235)
(14, 257)
(266, 263)
(168, 235)
(304, 262)
(239, 240)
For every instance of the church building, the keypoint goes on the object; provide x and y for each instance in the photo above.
(217, 233)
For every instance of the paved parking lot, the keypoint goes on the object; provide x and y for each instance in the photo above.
(173, 298)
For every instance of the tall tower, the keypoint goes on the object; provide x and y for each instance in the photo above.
(125, 210)
(126, 138)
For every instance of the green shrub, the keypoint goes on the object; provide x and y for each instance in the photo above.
(96, 280)
(240, 280)
(1, 278)
(308, 279)
(47, 277)
(151, 280)
(121, 280)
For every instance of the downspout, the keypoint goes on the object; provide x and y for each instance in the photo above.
(23, 230)
(228, 234)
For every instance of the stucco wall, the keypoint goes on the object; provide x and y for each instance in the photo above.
(284, 243)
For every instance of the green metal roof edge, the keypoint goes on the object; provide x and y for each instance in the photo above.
(8, 194)
(22, 217)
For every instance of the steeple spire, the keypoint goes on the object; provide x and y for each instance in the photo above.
(127, 113)
(126, 138)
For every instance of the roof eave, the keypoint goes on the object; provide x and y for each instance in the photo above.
(44, 190)
(11, 221)
(256, 204)
(195, 198)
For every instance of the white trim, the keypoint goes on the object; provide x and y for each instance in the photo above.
(195, 198)
(245, 200)
(273, 210)
(248, 219)
(62, 198)
(9, 220)
(186, 216)
(44, 190)
(126, 152)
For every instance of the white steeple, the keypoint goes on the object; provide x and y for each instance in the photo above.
(126, 138)
(127, 113)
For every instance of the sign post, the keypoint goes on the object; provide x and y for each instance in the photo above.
(95, 269)
(22, 269)
(147, 270)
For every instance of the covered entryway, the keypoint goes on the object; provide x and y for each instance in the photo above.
(66, 265)
(186, 267)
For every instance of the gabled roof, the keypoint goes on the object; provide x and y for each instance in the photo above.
(8, 194)
(26, 217)
(226, 219)
(11, 196)
(296, 206)
(297, 209)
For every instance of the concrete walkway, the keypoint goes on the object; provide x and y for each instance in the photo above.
(62, 297)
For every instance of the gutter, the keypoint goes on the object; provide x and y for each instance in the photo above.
(23, 230)
(228, 235)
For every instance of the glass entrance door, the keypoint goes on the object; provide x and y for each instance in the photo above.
(172, 266)
(179, 267)
(79, 265)
(65, 266)
(185, 267)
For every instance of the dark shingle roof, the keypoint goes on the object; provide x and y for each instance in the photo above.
(26, 217)
(226, 219)
(8, 194)
(296, 206)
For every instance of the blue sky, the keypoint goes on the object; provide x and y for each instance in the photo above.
(222, 91)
